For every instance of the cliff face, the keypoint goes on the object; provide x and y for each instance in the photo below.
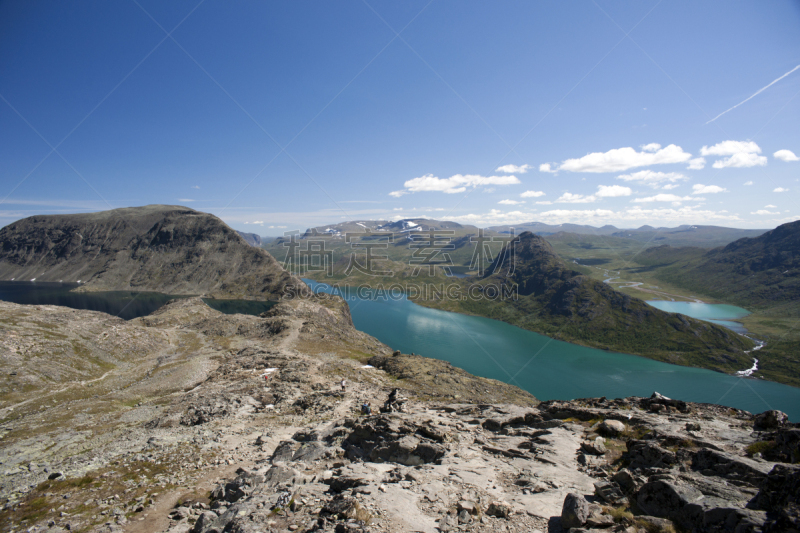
(169, 249)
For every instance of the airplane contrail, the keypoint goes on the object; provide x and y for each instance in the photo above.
(754, 95)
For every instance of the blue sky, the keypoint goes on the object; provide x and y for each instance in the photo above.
(283, 115)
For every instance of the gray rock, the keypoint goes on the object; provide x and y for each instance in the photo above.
(595, 447)
(204, 521)
(666, 500)
(347, 508)
(770, 420)
(627, 481)
(609, 492)
(575, 511)
(468, 506)
(611, 428)
(500, 509)
(730, 466)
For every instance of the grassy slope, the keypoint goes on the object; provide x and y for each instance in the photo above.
(758, 274)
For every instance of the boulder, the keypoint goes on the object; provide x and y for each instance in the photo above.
(347, 508)
(787, 446)
(780, 489)
(575, 511)
(468, 506)
(608, 492)
(611, 428)
(281, 475)
(647, 454)
(770, 420)
(627, 481)
(204, 522)
(595, 447)
(713, 462)
(664, 499)
(500, 509)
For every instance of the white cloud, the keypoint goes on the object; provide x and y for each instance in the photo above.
(780, 189)
(544, 202)
(510, 202)
(748, 182)
(731, 148)
(770, 206)
(275, 227)
(652, 178)
(785, 155)
(546, 167)
(663, 197)
(511, 169)
(494, 216)
(764, 212)
(741, 154)
(397, 194)
(652, 147)
(707, 189)
(454, 184)
(195, 187)
(621, 159)
(185, 200)
(532, 194)
(741, 161)
(698, 163)
(569, 198)
(670, 186)
(612, 191)
(636, 214)
(256, 222)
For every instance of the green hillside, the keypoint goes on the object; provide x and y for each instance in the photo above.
(560, 302)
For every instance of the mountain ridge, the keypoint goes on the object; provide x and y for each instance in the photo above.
(159, 248)
(560, 302)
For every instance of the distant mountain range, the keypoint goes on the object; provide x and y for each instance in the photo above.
(385, 226)
(684, 235)
(159, 248)
(759, 272)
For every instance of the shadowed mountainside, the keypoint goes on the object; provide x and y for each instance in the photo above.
(161, 248)
(758, 272)
(562, 303)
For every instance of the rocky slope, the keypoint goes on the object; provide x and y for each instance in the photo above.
(545, 295)
(176, 428)
(169, 249)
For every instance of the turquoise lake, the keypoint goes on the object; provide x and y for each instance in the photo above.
(721, 314)
(548, 368)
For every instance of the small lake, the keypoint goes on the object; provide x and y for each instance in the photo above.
(721, 314)
(548, 368)
(124, 304)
